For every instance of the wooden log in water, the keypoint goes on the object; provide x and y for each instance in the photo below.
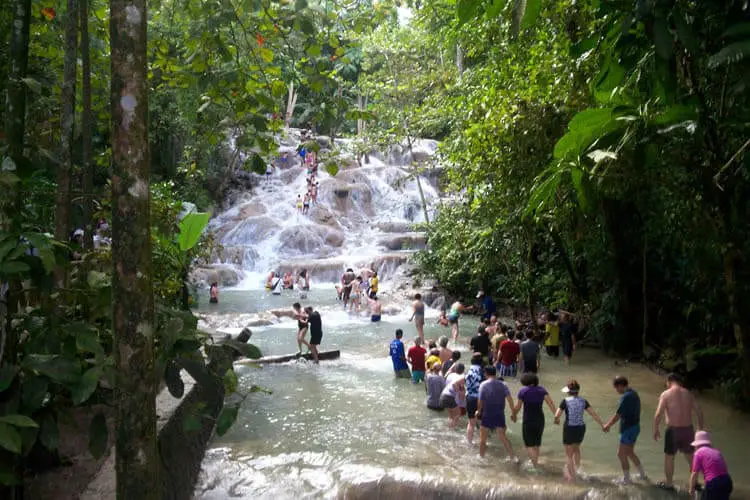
(322, 356)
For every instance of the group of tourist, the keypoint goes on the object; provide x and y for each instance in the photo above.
(354, 288)
(310, 159)
(277, 282)
(479, 393)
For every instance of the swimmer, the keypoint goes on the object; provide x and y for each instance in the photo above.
(214, 293)
(356, 296)
(376, 309)
(306, 204)
(418, 315)
(299, 204)
(301, 318)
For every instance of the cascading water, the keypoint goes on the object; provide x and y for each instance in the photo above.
(362, 218)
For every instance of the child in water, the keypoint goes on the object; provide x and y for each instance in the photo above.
(214, 293)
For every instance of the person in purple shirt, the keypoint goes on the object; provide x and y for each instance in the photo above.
(709, 461)
(493, 394)
(530, 397)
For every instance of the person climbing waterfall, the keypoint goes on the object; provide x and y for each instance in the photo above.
(398, 356)
(374, 285)
(269, 173)
(453, 316)
(213, 293)
(356, 296)
(316, 331)
(417, 314)
(277, 284)
(346, 282)
(629, 415)
(302, 326)
(376, 310)
(306, 204)
(300, 205)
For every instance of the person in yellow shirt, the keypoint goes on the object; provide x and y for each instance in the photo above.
(434, 355)
(552, 340)
(374, 285)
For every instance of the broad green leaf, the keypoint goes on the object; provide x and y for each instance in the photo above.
(266, 54)
(246, 350)
(495, 7)
(307, 26)
(14, 267)
(6, 247)
(230, 381)
(98, 436)
(730, 54)
(49, 434)
(18, 421)
(7, 375)
(676, 114)
(585, 128)
(685, 31)
(33, 393)
(47, 256)
(10, 439)
(300, 4)
(663, 39)
(88, 383)
(226, 419)
(314, 50)
(57, 367)
(531, 13)
(576, 175)
(191, 228)
(543, 192)
(278, 88)
(466, 10)
(332, 168)
(256, 164)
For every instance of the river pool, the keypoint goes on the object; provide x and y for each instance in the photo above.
(333, 430)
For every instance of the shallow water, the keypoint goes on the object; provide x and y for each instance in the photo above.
(332, 430)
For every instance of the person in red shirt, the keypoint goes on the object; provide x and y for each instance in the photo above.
(508, 354)
(415, 356)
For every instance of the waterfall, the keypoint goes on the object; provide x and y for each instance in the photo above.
(364, 215)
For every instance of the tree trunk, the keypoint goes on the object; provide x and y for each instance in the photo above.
(65, 168)
(291, 102)
(460, 60)
(87, 184)
(136, 458)
(15, 102)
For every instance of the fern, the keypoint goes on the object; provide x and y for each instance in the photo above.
(730, 54)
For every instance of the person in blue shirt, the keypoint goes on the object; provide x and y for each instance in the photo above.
(486, 304)
(629, 414)
(398, 356)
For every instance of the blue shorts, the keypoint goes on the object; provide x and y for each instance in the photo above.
(630, 435)
(375, 318)
(417, 376)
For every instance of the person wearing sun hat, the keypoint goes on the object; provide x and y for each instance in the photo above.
(574, 428)
(710, 462)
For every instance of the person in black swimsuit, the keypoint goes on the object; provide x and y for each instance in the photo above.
(316, 331)
(302, 324)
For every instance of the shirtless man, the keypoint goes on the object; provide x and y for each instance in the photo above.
(677, 406)
(346, 283)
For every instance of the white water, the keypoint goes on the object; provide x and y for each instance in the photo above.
(360, 213)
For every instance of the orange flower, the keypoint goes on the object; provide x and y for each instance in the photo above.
(49, 13)
(259, 38)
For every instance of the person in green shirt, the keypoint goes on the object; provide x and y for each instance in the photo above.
(552, 340)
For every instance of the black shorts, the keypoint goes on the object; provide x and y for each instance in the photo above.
(316, 338)
(553, 350)
(532, 434)
(471, 405)
(448, 402)
(347, 292)
(373, 294)
(529, 366)
(574, 435)
(567, 348)
(678, 439)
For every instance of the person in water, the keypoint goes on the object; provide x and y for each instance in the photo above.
(416, 356)
(376, 309)
(677, 406)
(303, 284)
(507, 356)
(346, 282)
(451, 363)
(443, 319)
(398, 357)
(302, 326)
(629, 414)
(374, 285)
(568, 331)
(574, 428)
(530, 353)
(709, 461)
(493, 394)
(434, 385)
(487, 306)
(453, 316)
(300, 205)
(269, 280)
(453, 394)
(531, 398)
(316, 331)
(306, 204)
(213, 293)
(552, 340)
(356, 296)
(445, 352)
(417, 315)
(472, 381)
(434, 354)
(277, 284)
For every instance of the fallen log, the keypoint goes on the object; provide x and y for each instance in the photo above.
(322, 356)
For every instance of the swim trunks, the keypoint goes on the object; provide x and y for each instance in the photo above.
(629, 436)
(417, 376)
(375, 318)
(496, 421)
(678, 439)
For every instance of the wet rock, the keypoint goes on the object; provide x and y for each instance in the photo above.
(391, 310)
(252, 209)
(222, 274)
(395, 227)
(405, 241)
(249, 231)
(306, 239)
(282, 313)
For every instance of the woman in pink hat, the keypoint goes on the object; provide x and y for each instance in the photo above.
(710, 462)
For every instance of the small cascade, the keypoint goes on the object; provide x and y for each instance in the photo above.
(364, 216)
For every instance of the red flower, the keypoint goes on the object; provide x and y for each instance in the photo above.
(49, 13)
(259, 38)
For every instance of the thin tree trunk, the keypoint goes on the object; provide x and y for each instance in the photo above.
(86, 149)
(15, 101)
(291, 102)
(460, 60)
(65, 168)
(136, 458)
(416, 174)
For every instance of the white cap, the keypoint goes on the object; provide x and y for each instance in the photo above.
(566, 389)
(78, 232)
